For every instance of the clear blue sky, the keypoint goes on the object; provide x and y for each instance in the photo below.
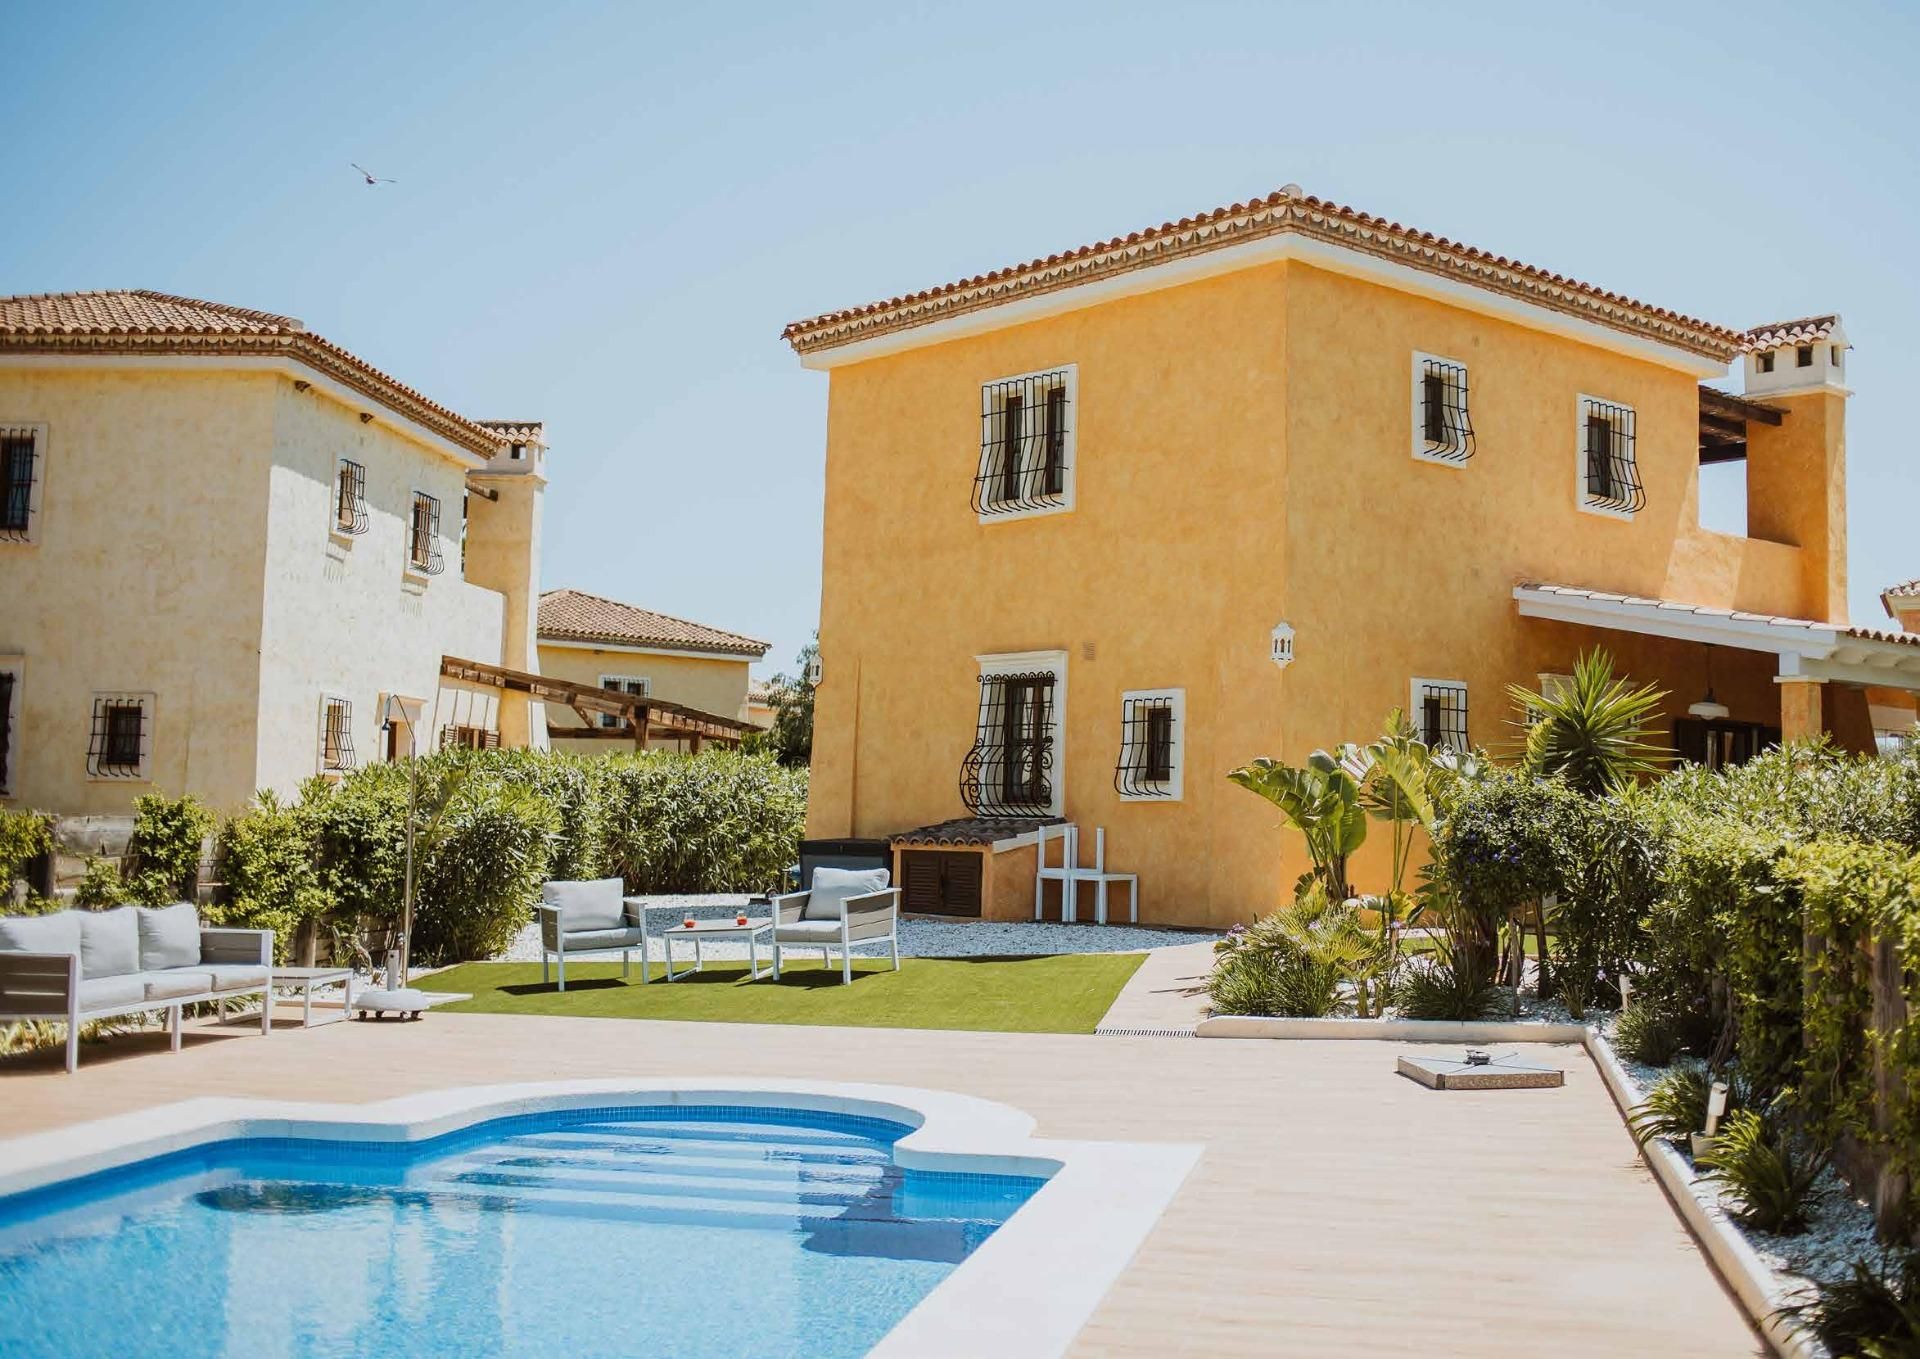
(605, 214)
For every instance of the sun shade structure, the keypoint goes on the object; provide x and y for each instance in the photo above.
(644, 716)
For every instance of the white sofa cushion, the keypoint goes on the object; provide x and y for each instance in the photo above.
(110, 993)
(831, 886)
(175, 981)
(235, 976)
(580, 941)
(109, 942)
(587, 905)
(815, 932)
(169, 936)
(56, 933)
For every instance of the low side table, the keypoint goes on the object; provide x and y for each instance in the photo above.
(306, 978)
(648, 905)
(717, 929)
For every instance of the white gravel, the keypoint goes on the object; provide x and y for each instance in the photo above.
(919, 938)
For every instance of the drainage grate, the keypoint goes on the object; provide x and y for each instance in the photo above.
(1143, 1033)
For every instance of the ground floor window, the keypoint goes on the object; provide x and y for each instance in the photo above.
(1440, 714)
(1152, 740)
(1012, 768)
(120, 744)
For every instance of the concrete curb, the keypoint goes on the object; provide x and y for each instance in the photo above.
(1391, 1030)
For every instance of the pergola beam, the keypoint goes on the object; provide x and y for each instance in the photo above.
(642, 714)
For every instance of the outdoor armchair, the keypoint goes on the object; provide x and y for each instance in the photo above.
(587, 917)
(844, 907)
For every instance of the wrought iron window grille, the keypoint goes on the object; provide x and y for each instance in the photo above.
(336, 737)
(350, 498)
(1147, 748)
(19, 466)
(1025, 427)
(1611, 480)
(1441, 710)
(1009, 770)
(423, 542)
(1446, 427)
(118, 744)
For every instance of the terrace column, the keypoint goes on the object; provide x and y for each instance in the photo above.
(1800, 709)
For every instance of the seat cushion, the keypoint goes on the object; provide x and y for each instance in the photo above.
(831, 886)
(110, 942)
(175, 982)
(169, 936)
(579, 940)
(56, 933)
(234, 976)
(107, 993)
(809, 932)
(587, 905)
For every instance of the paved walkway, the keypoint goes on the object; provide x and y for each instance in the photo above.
(1338, 1209)
(1165, 993)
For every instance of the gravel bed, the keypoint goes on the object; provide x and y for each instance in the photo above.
(919, 938)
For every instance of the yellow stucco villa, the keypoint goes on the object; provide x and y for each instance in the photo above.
(1103, 526)
(226, 543)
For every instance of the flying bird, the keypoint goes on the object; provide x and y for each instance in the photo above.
(370, 176)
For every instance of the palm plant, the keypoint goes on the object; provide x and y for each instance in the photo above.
(1595, 733)
(1296, 961)
(1322, 800)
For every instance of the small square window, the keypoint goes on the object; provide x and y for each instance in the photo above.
(1609, 472)
(1834, 354)
(1803, 357)
(637, 685)
(1440, 714)
(423, 536)
(336, 736)
(1442, 427)
(121, 742)
(1763, 362)
(20, 477)
(1152, 737)
(1026, 445)
(350, 498)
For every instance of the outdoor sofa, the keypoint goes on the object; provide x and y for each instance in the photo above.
(74, 966)
(841, 908)
(587, 917)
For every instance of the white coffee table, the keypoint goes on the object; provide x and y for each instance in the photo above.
(305, 979)
(702, 930)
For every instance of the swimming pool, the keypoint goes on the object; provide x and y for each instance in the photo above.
(669, 1229)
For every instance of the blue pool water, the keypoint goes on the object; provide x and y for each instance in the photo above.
(683, 1231)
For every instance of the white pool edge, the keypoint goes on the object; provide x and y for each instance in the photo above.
(1027, 1291)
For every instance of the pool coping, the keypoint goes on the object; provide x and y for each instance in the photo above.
(1011, 1297)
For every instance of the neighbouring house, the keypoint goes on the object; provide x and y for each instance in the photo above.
(600, 642)
(1103, 526)
(226, 542)
(757, 709)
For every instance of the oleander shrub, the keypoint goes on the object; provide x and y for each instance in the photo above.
(100, 887)
(715, 822)
(269, 866)
(573, 787)
(24, 837)
(482, 856)
(163, 855)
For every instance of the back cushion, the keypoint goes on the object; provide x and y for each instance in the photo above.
(586, 905)
(169, 936)
(57, 933)
(110, 942)
(831, 886)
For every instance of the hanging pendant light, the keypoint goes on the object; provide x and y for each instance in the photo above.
(1709, 707)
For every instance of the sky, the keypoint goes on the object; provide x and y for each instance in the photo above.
(605, 214)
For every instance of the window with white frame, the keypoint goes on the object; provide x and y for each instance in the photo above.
(120, 743)
(10, 675)
(1439, 710)
(336, 735)
(1553, 684)
(637, 685)
(1015, 764)
(349, 498)
(1442, 424)
(1026, 444)
(1609, 473)
(423, 536)
(22, 473)
(1153, 726)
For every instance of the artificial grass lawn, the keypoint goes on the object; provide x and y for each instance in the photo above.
(1066, 993)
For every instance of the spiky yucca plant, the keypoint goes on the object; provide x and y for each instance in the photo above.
(1765, 1170)
(1595, 733)
(1872, 1313)
(1295, 961)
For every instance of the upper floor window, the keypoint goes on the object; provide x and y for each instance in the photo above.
(423, 536)
(1152, 741)
(1609, 476)
(1442, 427)
(637, 685)
(20, 478)
(120, 745)
(1440, 714)
(336, 735)
(1803, 356)
(350, 498)
(9, 701)
(1013, 766)
(1764, 362)
(1026, 445)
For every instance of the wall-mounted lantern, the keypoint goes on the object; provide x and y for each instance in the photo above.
(813, 673)
(1283, 645)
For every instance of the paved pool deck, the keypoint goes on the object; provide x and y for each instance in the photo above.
(1338, 1208)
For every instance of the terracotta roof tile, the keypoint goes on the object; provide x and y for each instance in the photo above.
(517, 431)
(575, 616)
(138, 321)
(973, 830)
(1289, 210)
(1806, 330)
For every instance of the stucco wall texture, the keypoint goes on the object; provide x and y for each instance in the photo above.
(1243, 457)
(183, 548)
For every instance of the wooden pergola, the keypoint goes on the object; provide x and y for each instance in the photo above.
(1723, 424)
(644, 717)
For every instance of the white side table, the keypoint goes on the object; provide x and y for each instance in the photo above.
(678, 909)
(306, 978)
(716, 929)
